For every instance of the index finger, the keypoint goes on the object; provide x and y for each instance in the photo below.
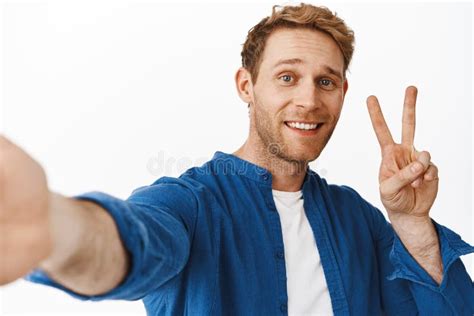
(378, 122)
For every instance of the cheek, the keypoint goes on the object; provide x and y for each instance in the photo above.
(271, 104)
(333, 103)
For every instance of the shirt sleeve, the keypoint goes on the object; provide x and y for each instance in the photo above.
(155, 224)
(407, 289)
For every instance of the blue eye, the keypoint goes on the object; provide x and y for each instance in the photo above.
(286, 78)
(325, 82)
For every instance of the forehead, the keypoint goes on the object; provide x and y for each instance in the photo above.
(313, 47)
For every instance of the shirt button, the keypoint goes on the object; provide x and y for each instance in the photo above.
(283, 308)
(280, 255)
(265, 177)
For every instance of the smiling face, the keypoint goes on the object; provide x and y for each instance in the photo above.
(297, 98)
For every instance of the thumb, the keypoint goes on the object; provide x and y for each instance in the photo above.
(391, 186)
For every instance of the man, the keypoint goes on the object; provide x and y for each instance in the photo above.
(256, 231)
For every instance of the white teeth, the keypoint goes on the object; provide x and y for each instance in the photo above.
(303, 126)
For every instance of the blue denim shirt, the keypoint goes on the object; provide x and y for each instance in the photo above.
(210, 243)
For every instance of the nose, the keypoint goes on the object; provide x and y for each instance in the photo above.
(308, 95)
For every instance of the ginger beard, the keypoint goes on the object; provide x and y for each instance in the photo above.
(278, 141)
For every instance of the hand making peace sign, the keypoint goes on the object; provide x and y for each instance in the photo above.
(407, 178)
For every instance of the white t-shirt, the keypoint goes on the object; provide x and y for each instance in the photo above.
(307, 288)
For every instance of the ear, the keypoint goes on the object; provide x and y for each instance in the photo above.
(243, 83)
(346, 86)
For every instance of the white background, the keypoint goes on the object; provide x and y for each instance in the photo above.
(105, 94)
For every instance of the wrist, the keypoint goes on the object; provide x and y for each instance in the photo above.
(418, 234)
(66, 227)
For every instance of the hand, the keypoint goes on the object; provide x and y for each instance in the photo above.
(408, 179)
(24, 218)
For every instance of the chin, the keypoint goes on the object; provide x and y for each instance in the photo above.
(303, 155)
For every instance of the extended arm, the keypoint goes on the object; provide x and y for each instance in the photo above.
(87, 256)
(93, 246)
(75, 242)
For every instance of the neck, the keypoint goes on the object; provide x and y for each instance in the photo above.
(286, 175)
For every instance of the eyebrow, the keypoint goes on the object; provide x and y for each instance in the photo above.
(291, 61)
(296, 61)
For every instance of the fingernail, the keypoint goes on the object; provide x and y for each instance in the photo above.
(416, 167)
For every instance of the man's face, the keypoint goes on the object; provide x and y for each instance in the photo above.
(300, 84)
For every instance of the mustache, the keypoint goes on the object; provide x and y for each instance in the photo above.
(307, 117)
